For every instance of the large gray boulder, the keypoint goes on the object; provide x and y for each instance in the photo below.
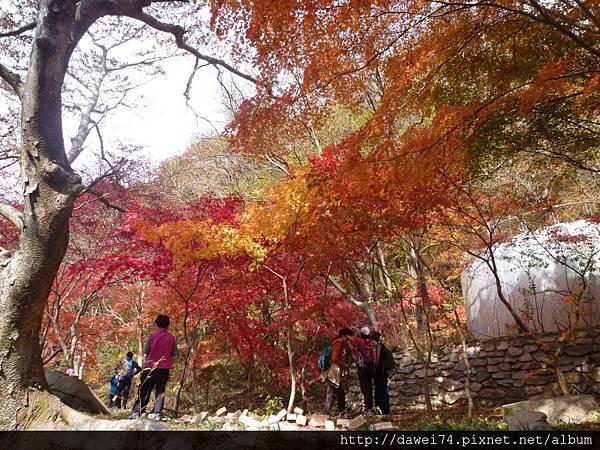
(571, 409)
(74, 392)
(523, 420)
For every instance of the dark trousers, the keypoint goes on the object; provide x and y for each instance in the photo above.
(336, 392)
(382, 398)
(365, 376)
(123, 392)
(151, 379)
(111, 399)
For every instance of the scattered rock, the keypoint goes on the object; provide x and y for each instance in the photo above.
(329, 425)
(200, 417)
(344, 423)
(286, 426)
(220, 411)
(380, 426)
(291, 417)
(317, 422)
(249, 423)
(219, 420)
(278, 417)
(298, 410)
(357, 422)
(301, 420)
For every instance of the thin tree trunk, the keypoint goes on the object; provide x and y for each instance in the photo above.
(182, 380)
(194, 385)
(420, 286)
(290, 352)
(468, 368)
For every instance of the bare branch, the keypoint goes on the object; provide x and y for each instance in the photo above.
(13, 79)
(102, 199)
(12, 214)
(178, 32)
(20, 30)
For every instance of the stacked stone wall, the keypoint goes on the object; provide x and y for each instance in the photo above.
(502, 371)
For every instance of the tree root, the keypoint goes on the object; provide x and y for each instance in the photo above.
(47, 412)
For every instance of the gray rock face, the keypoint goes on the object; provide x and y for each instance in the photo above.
(523, 420)
(74, 393)
(572, 409)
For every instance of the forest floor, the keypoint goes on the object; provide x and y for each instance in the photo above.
(448, 418)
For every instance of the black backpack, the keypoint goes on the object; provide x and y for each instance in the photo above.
(386, 359)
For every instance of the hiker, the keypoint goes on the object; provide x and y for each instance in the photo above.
(334, 375)
(114, 386)
(366, 352)
(160, 349)
(130, 369)
(381, 374)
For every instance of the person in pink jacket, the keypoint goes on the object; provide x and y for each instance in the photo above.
(160, 349)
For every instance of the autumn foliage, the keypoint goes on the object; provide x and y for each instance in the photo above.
(468, 121)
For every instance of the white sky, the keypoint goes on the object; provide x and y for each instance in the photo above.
(165, 125)
(161, 122)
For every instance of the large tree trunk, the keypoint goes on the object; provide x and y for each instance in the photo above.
(50, 188)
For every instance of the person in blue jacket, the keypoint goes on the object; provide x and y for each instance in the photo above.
(114, 387)
(130, 369)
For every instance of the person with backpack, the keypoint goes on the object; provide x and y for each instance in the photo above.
(130, 369)
(114, 386)
(160, 349)
(366, 352)
(334, 369)
(381, 374)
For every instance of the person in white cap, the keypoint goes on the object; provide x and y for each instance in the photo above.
(366, 355)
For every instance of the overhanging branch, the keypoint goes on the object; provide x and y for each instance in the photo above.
(20, 30)
(178, 32)
(102, 198)
(13, 79)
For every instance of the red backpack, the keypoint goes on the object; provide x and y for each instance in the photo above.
(366, 352)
